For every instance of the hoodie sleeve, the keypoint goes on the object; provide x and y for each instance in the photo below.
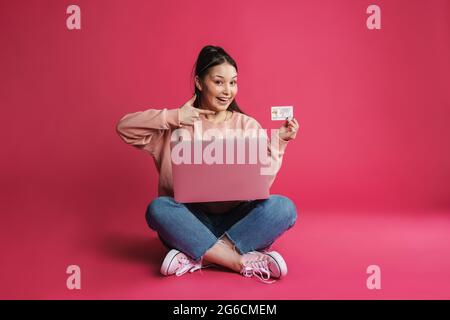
(145, 129)
(275, 149)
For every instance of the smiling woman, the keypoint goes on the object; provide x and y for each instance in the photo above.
(216, 83)
(233, 234)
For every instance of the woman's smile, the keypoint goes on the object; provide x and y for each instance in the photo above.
(223, 101)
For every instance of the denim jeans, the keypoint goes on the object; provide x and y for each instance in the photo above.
(252, 225)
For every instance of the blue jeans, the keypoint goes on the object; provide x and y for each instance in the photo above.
(252, 225)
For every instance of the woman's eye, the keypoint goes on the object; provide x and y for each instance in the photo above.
(220, 82)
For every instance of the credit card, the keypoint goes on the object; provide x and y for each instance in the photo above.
(282, 112)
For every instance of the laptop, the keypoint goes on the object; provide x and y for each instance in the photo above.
(226, 169)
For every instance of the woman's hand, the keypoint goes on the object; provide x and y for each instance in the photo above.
(189, 114)
(289, 129)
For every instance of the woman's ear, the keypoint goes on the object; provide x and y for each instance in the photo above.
(198, 83)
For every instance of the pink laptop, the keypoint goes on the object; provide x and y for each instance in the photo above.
(238, 176)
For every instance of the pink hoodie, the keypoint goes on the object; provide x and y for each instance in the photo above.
(150, 130)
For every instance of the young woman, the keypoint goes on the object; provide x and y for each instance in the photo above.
(232, 234)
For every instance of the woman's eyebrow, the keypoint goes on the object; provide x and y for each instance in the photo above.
(224, 77)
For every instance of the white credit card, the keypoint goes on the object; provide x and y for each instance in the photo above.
(282, 112)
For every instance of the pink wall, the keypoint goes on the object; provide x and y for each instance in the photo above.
(373, 105)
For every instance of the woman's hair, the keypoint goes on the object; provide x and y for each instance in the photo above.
(209, 57)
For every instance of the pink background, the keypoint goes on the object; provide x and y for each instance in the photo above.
(369, 170)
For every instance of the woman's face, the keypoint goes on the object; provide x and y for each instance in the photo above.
(219, 87)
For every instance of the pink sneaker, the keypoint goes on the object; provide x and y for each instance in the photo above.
(277, 265)
(176, 262)
(264, 265)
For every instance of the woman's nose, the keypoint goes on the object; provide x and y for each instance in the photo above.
(227, 90)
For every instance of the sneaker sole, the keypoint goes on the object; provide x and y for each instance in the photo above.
(168, 261)
(280, 262)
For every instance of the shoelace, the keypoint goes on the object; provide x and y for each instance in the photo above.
(258, 268)
(186, 265)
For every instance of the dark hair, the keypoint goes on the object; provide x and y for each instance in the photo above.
(209, 57)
